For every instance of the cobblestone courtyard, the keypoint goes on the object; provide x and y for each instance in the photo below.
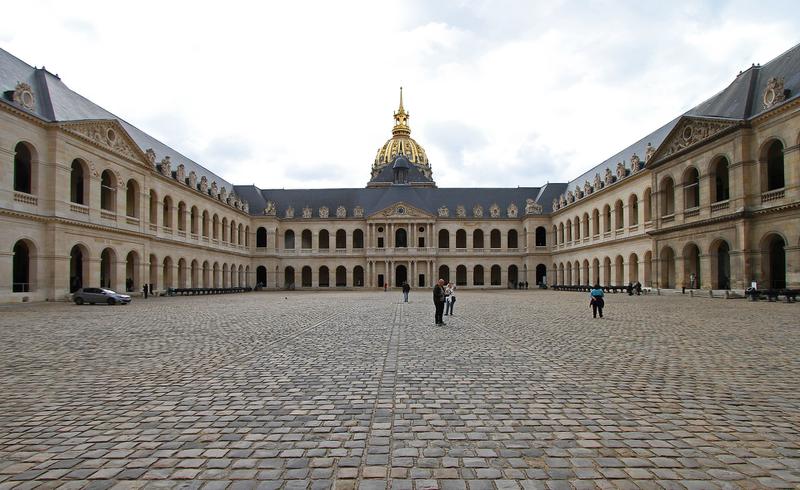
(354, 389)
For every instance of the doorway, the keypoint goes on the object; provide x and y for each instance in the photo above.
(401, 275)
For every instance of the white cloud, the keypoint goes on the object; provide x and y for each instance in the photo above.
(300, 94)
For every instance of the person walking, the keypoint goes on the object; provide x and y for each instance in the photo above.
(596, 301)
(450, 299)
(406, 290)
(438, 302)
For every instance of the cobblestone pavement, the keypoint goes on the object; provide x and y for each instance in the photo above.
(356, 390)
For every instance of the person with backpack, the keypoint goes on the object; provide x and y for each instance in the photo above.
(406, 290)
(596, 302)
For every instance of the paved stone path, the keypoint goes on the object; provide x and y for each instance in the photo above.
(355, 390)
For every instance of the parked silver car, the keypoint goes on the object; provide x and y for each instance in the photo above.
(99, 295)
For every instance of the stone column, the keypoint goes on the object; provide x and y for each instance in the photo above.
(119, 281)
(706, 281)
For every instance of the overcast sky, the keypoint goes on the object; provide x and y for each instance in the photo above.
(301, 94)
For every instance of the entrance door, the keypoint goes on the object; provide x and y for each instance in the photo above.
(380, 280)
(421, 282)
(400, 275)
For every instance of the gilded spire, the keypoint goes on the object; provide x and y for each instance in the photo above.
(401, 119)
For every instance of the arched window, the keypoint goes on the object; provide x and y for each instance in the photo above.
(691, 188)
(585, 222)
(77, 182)
(461, 239)
(78, 267)
(132, 280)
(358, 275)
(775, 172)
(495, 275)
(633, 210)
(541, 237)
(233, 236)
(108, 191)
(261, 237)
(358, 242)
(194, 220)
(215, 227)
(166, 272)
(494, 238)
(182, 216)
(561, 236)
(607, 218)
(132, 199)
(324, 240)
(513, 239)
(108, 268)
(444, 239)
(555, 235)
(305, 239)
(324, 277)
(477, 239)
(21, 267)
(477, 275)
(444, 273)
(619, 214)
(166, 219)
(225, 230)
(341, 277)
(720, 189)
(288, 242)
(513, 274)
(595, 222)
(647, 199)
(773, 261)
(541, 274)
(461, 275)
(206, 223)
(23, 168)
(261, 276)
(153, 207)
(568, 231)
(341, 239)
(667, 197)
(400, 238)
(305, 277)
(576, 228)
(288, 273)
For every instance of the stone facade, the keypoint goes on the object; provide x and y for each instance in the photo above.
(82, 203)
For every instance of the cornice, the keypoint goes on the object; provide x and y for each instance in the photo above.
(96, 227)
(10, 108)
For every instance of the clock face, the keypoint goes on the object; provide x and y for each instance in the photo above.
(401, 210)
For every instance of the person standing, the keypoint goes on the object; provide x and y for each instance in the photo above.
(596, 301)
(144, 290)
(438, 301)
(406, 290)
(450, 299)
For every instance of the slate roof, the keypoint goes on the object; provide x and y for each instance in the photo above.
(741, 100)
(55, 102)
(374, 199)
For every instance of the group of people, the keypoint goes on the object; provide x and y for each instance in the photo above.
(444, 299)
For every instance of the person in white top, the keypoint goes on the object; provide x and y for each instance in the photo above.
(449, 299)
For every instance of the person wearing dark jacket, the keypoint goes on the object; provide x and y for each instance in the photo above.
(406, 290)
(596, 301)
(438, 301)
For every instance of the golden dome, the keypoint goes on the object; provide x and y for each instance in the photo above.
(401, 143)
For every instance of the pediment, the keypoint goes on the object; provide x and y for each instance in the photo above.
(401, 210)
(691, 132)
(107, 134)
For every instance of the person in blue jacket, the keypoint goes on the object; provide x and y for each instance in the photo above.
(596, 302)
